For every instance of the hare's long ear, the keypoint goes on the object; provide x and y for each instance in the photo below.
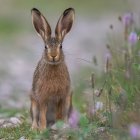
(40, 24)
(64, 23)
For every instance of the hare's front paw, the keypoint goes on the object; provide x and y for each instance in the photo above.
(42, 128)
(34, 127)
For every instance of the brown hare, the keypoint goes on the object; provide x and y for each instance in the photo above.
(51, 96)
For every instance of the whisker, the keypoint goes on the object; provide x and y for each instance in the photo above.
(78, 58)
(90, 62)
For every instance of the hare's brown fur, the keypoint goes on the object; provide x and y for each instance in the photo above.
(51, 97)
(51, 84)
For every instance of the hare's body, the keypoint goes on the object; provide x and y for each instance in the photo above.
(50, 81)
(51, 87)
(51, 97)
(48, 84)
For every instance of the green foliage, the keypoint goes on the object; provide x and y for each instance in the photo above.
(17, 132)
(59, 124)
(84, 121)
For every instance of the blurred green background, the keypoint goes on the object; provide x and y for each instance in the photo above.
(96, 24)
(21, 48)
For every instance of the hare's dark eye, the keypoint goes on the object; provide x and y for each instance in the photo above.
(45, 47)
(60, 45)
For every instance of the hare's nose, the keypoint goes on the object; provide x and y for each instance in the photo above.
(53, 55)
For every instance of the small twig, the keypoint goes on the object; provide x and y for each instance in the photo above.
(85, 60)
(109, 98)
(93, 80)
(110, 92)
(93, 84)
(101, 90)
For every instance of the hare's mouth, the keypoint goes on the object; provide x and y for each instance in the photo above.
(52, 62)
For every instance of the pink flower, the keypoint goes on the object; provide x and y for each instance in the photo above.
(127, 19)
(108, 56)
(133, 38)
(134, 131)
(74, 118)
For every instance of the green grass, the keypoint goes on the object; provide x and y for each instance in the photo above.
(18, 132)
(88, 129)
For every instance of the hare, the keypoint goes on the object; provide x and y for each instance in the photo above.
(51, 96)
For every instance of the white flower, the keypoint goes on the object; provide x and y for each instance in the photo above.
(99, 106)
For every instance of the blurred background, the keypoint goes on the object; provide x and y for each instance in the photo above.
(21, 48)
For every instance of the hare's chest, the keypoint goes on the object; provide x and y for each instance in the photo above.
(53, 84)
(57, 84)
(51, 80)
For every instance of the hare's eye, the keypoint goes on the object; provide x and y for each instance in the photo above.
(46, 47)
(60, 46)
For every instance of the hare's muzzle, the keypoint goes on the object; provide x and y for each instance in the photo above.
(54, 54)
(54, 58)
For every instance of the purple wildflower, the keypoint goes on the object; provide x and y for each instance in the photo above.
(127, 19)
(133, 38)
(134, 131)
(74, 119)
(108, 56)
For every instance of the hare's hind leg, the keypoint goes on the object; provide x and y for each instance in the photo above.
(68, 107)
(51, 110)
(34, 114)
(59, 110)
(64, 108)
(42, 117)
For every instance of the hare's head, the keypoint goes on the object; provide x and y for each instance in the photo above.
(53, 45)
